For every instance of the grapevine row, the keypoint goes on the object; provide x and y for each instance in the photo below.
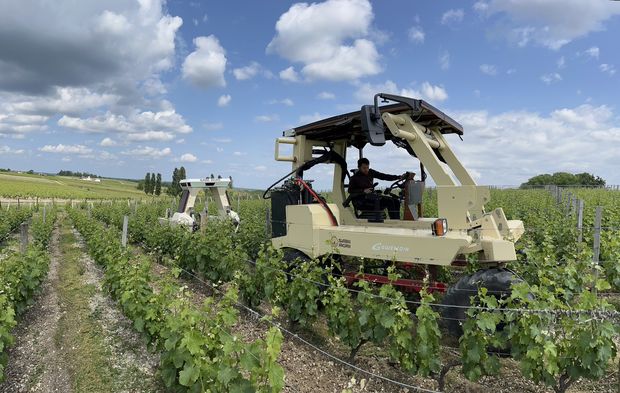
(20, 278)
(198, 352)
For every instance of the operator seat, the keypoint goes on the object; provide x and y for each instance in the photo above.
(370, 215)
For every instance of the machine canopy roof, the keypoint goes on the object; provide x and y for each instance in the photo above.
(349, 125)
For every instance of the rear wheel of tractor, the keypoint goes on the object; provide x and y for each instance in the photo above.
(497, 281)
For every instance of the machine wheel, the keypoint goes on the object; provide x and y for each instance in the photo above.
(497, 281)
(293, 257)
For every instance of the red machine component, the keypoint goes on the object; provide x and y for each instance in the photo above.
(405, 284)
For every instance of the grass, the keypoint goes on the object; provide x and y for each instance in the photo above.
(89, 346)
(14, 185)
(79, 336)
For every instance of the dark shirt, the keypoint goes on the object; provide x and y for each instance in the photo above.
(359, 182)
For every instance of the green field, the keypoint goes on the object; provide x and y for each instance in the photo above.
(14, 185)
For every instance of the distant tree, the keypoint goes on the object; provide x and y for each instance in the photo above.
(177, 176)
(152, 184)
(565, 179)
(219, 176)
(30, 172)
(230, 185)
(140, 185)
(158, 185)
(147, 183)
(175, 180)
(212, 177)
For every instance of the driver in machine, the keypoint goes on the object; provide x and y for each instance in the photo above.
(361, 187)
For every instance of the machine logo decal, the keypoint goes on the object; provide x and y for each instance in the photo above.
(389, 247)
(344, 243)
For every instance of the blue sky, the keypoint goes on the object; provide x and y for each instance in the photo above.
(121, 88)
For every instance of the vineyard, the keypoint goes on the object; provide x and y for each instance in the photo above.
(192, 296)
(63, 187)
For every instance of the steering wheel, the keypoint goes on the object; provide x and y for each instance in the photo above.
(400, 183)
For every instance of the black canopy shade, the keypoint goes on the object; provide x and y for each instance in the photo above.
(348, 125)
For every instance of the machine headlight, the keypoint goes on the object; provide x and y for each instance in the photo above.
(440, 227)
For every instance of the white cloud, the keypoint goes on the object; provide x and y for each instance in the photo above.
(284, 101)
(213, 126)
(561, 62)
(551, 23)
(433, 93)
(8, 150)
(305, 119)
(481, 7)
(452, 16)
(239, 153)
(137, 126)
(444, 60)
(148, 152)
(88, 42)
(222, 140)
(510, 71)
(224, 100)
(247, 72)
(149, 136)
(107, 58)
(317, 35)
(107, 142)
(66, 149)
(593, 52)
(289, 74)
(260, 168)
(416, 34)
(205, 66)
(510, 147)
(488, 69)
(188, 157)
(551, 78)
(427, 91)
(608, 69)
(326, 95)
(267, 118)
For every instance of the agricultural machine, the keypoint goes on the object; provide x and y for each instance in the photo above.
(216, 189)
(306, 226)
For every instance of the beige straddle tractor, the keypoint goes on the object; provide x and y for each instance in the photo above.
(306, 225)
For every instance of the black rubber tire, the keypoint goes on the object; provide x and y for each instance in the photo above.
(497, 281)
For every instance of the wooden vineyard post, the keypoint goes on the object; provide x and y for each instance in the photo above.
(267, 223)
(125, 224)
(24, 237)
(167, 212)
(579, 220)
(203, 222)
(44, 213)
(596, 248)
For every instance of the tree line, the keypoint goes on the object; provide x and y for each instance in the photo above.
(77, 174)
(565, 179)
